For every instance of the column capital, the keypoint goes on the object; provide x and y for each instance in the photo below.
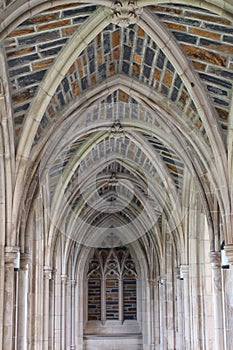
(152, 282)
(25, 259)
(185, 270)
(47, 272)
(229, 252)
(64, 278)
(11, 254)
(162, 280)
(215, 259)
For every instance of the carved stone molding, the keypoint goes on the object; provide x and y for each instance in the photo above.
(73, 283)
(215, 259)
(64, 279)
(125, 13)
(11, 254)
(229, 252)
(25, 259)
(47, 272)
(185, 270)
(117, 130)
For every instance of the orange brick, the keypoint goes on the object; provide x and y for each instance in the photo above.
(20, 32)
(111, 70)
(223, 48)
(141, 32)
(99, 40)
(136, 69)
(51, 112)
(198, 124)
(68, 31)
(99, 56)
(75, 87)
(173, 168)
(209, 18)
(204, 55)
(71, 69)
(42, 64)
(22, 97)
(206, 33)
(80, 70)
(56, 24)
(175, 26)
(84, 58)
(183, 98)
(44, 18)
(157, 74)
(123, 96)
(137, 58)
(115, 38)
(222, 113)
(116, 54)
(167, 79)
(199, 66)
(93, 79)
(20, 52)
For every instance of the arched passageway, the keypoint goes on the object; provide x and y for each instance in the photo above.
(115, 170)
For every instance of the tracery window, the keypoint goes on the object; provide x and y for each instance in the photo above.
(112, 285)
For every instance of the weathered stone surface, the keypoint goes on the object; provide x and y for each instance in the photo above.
(205, 55)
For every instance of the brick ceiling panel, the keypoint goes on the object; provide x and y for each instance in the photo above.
(128, 51)
(32, 48)
(207, 40)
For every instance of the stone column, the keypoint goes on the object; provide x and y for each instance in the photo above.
(8, 322)
(23, 301)
(215, 260)
(185, 270)
(47, 277)
(121, 300)
(51, 309)
(103, 300)
(73, 285)
(63, 311)
(157, 315)
(228, 297)
(152, 314)
(57, 315)
(162, 311)
(180, 310)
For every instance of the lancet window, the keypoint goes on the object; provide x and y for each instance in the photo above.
(112, 285)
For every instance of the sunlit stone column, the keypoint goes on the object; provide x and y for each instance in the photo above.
(57, 315)
(73, 286)
(228, 297)
(63, 311)
(185, 270)
(152, 311)
(8, 324)
(23, 301)
(180, 310)
(52, 309)
(47, 277)
(162, 298)
(215, 260)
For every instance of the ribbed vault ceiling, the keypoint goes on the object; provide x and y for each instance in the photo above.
(113, 118)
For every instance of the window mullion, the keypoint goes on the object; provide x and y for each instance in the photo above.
(103, 299)
(121, 299)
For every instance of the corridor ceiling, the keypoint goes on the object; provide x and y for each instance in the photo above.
(117, 109)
